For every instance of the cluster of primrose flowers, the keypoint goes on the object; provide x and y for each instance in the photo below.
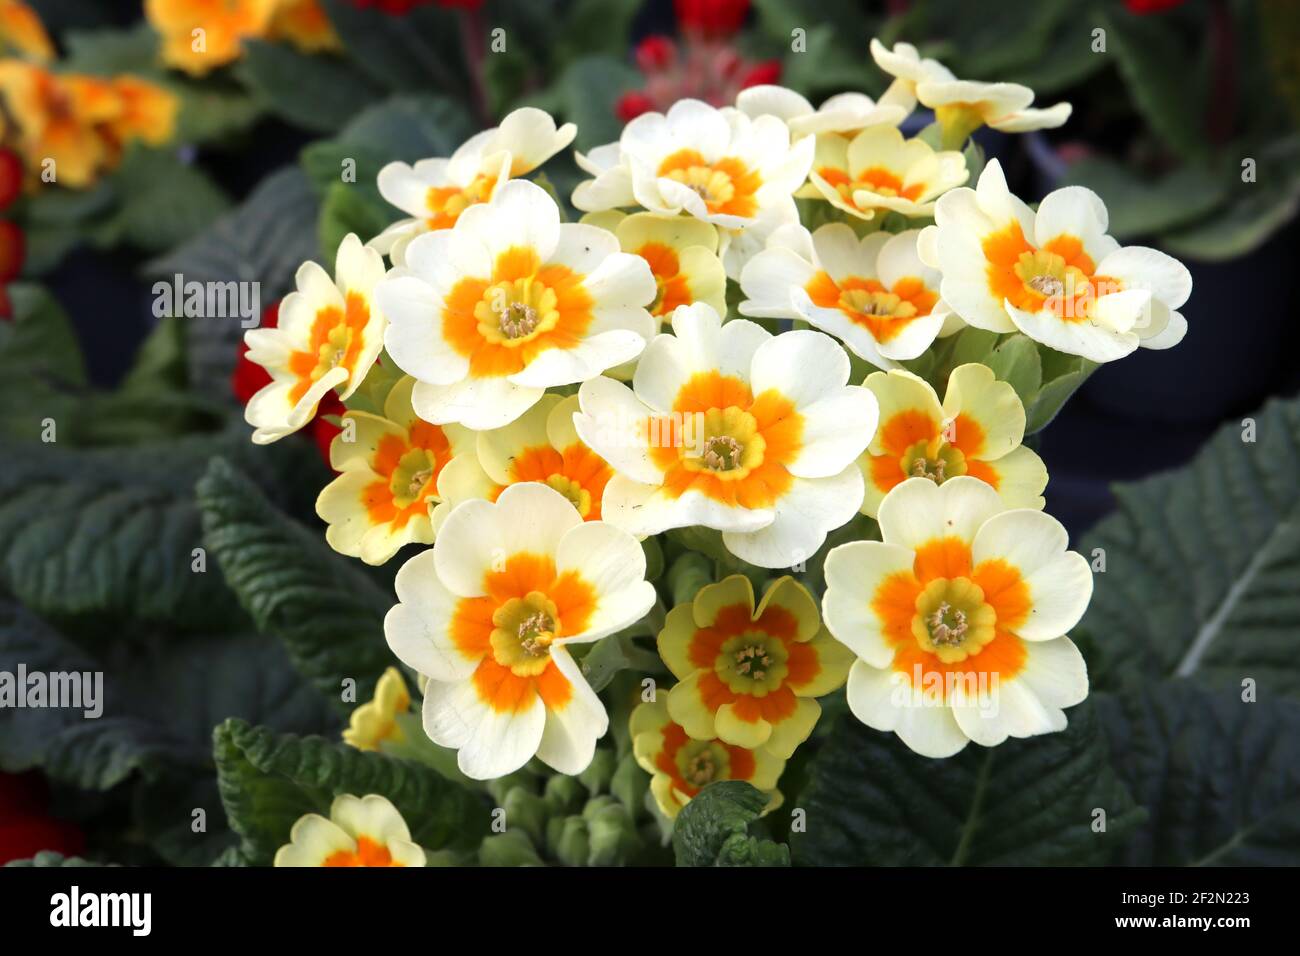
(553, 393)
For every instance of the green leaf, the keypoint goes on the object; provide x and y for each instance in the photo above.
(589, 89)
(714, 829)
(161, 202)
(328, 612)
(827, 64)
(1167, 90)
(620, 652)
(160, 362)
(315, 92)
(351, 207)
(268, 781)
(420, 50)
(264, 240)
(51, 858)
(1201, 565)
(872, 801)
(157, 701)
(1062, 376)
(110, 531)
(1220, 777)
(1016, 362)
(1141, 207)
(1255, 211)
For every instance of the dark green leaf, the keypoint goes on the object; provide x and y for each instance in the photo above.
(713, 829)
(1220, 777)
(1202, 564)
(316, 92)
(327, 611)
(1016, 362)
(872, 801)
(268, 781)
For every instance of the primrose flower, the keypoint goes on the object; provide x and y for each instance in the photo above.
(961, 106)
(748, 675)
(305, 25)
(61, 118)
(541, 445)
(1055, 275)
(508, 302)
(681, 253)
(147, 112)
(388, 481)
(376, 720)
(842, 113)
(732, 428)
(360, 831)
(976, 431)
(21, 31)
(488, 615)
(717, 165)
(330, 333)
(958, 618)
(434, 192)
(874, 293)
(680, 766)
(880, 170)
(225, 24)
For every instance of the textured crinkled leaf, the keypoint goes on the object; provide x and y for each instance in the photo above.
(268, 781)
(1219, 776)
(713, 829)
(327, 611)
(162, 202)
(872, 801)
(314, 92)
(1202, 565)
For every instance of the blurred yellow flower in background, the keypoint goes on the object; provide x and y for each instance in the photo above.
(22, 32)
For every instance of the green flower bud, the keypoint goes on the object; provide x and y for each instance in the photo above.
(598, 774)
(512, 848)
(573, 846)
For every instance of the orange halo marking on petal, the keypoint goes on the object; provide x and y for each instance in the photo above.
(378, 498)
(493, 359)
(727, 186)
(885, 182)
(369, 852)
(673, 287)
(576, 463)
(337, 339)
(472, 624)
(909, 299)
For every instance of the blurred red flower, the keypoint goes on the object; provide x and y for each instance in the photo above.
(712, 19)
(1143, 7)
(769, 71)
(632, 104)
(401, 7)
(656, 52)
(11, 177)
(26, 828)
(13, 250)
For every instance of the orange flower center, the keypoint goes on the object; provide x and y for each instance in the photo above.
(726, 186)
(884, 312)
(337, 338)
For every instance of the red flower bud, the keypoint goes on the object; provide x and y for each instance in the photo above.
(632, 104)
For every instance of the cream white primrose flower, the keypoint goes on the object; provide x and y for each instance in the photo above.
(434, 192)
(873, 293)
(732, 428)
(842, 113)
(961, 106)
(880, 170)
(1055, 275)
(330, 333)
(488, 615)
(717, 165)
(360, 831)
(508, 302)
(958, 618)
(389, 469)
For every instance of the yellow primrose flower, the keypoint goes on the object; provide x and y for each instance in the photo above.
(21, 31)
(961, 106)
(681, 767)
(148, 112)
(681, 254)
(748, 675)
(488, 614)
(434, 192)
(61, 118)
(976, 431)
(509, 302)
(874, 293)
(200, 35)
(732, 428)
(329, 335)
(958, 618)
(375, 721)
(880, 170)
(389, 472)
(541, 445)
(717, 165)
(305, 25)
(1053, 274)
(360, 831)
(843, 113)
